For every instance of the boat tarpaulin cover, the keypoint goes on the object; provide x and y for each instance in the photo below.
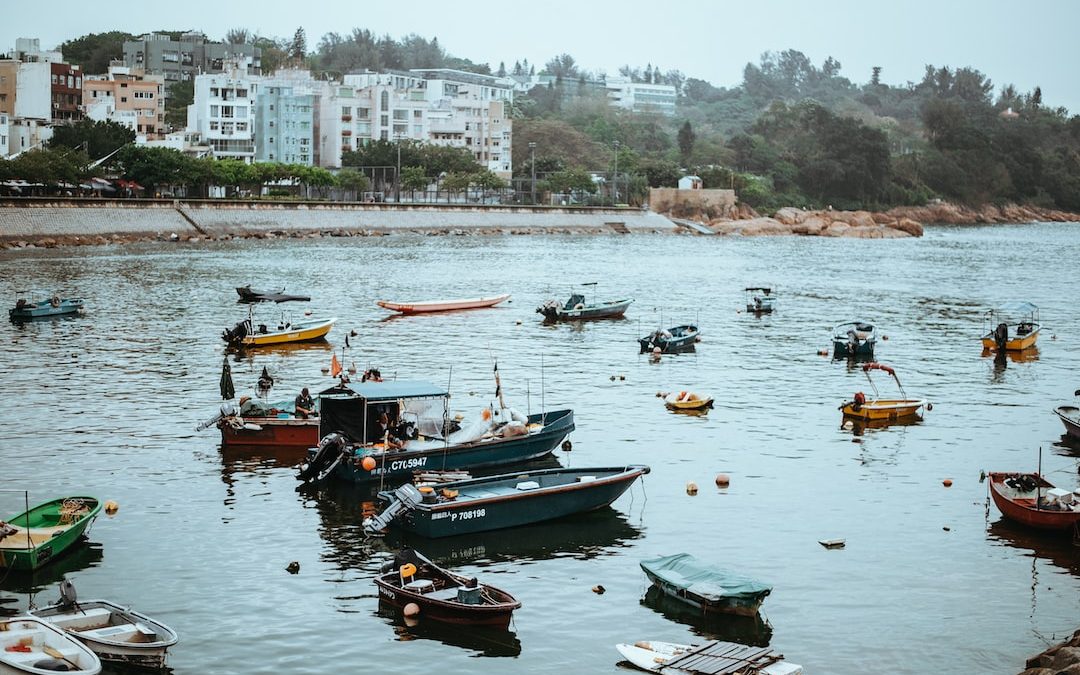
(708, 581)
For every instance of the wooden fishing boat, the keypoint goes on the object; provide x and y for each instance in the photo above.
(25, 310)
(670, 340)
(112, 632)
(442, 595)
(33, 538)
(888, 409)
(854, 340)
(760, 299)
(497, 502)
(249, 294)
(353, 444)
(425, 306)
(704, 586)
(715, 657)
(1033, 501)
(30, 645)
(687, 400)
(576, 309)
(247, 334)
(1070, 417)
(1011, 327)
(276, 427)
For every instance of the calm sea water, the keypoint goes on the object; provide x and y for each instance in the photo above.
(931, 579)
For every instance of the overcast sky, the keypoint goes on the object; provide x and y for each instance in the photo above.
(1023, 42)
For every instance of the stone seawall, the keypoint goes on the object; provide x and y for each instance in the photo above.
(53, 222)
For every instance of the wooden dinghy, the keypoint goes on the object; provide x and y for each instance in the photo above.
(714, 657)
(30, 645)
(112, 632)
(882, 409)
(687, 400)
(35, 537)
(442, 595)
(497, 502)
(707, 587)
(1032, 501)
(427, 306)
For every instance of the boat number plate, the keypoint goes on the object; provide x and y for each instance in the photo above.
(400, 465)
(467, 515)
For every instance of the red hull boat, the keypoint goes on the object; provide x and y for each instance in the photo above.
(1031, 500)
(271, 432)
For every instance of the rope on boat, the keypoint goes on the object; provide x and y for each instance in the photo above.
(72, 509)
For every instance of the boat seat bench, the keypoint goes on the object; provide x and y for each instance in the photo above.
(95, 617)
(121, 633)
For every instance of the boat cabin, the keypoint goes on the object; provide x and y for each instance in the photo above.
(412, 406)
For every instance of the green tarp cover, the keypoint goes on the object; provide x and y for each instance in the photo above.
(707, 581)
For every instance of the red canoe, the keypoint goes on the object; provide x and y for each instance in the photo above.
(1031, 500)
(441, 305)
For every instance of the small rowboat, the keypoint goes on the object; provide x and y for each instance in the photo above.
(246, 334)
(29, 645)
(1031, 500)
(707, 587)
(715, 656)
(33, 538)
(670, 340)
(112, 632)
(687, 400)
(442, 595)
(25, 310)
(1070, 417)
(854, 340)
(428, 306)
(1021, 334)
(887, 409)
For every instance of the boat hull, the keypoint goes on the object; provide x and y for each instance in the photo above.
(45, 309)
(842, 349)
(448, 519)
(298, 434)
(493, 616)
(400, 465)
(442, 305)
(49, 538)
(1014, 344)
(126, 646)
(1070, 417)
(735, 606)
(686, 339)
(43, 634)
(612, 310)
(884, 410)
(304, 334)
(1023, 511)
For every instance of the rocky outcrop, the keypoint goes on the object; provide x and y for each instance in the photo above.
(1061, 659)
(792, 221)
(953, 214)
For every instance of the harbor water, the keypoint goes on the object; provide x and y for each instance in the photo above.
(930, 580)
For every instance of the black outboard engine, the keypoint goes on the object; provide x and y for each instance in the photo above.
(331, 449)
(265, 380)
(1001, 336)
(234, 336)
(68, 597)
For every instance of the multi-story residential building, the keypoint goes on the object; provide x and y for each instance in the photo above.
(284, 125)
(641, 97)
(127, 96)
(191, 55)
(223, 111)
(66, 92)
(4, 135)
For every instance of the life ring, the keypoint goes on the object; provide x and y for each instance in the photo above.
(860, 399)
(579, 306)
(55, 301)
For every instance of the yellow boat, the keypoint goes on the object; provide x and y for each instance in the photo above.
(882, 409)
(245, 334)
(687, 400)
(1020, 334)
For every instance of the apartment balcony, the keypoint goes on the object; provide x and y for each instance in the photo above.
(346, 132)
(346, 118)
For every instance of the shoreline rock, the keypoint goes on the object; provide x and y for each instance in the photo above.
(1063, 657)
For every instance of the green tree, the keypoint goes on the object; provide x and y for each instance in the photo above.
(686, 140)
(181, 95)
(354, 181)
(414, 178)
(568, 181)
(153, 168)
(98, 138)
(94, 51)
(298, 46)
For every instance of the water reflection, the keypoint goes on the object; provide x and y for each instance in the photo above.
(859, 427)
(1056, 548)
(250, 354)
(482, 641)
(80, 556)
(748, 630)
(1023, 356)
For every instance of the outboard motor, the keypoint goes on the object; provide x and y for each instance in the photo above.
(227, 410)
(68, 597)
(331, 449)
(549, 309)
(234, 336)
(1001, 336)
(265, 380)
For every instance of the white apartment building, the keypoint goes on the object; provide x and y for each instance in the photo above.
(223, 111)
(641, 97)
(4, 135)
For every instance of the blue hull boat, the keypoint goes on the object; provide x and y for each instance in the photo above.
(54, 306)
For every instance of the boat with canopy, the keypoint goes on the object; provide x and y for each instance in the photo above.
(879, 408)
(760, 299)
(1011, 327)
(854, 340)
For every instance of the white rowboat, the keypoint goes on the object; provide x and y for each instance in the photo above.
(441, 305)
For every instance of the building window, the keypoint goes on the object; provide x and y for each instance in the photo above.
(215, 111)
(417, 114)
(384, 120)
(363, 113)
(384, 100)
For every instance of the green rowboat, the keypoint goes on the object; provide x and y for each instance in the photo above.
(35, 537)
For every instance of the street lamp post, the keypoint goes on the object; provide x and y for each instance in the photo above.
(532, 165)
(397, 173)
(615, 182)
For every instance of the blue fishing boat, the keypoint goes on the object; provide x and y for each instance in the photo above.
(498, 502)
(704, 586)
(25, 310)
(385, 431)
(676, 338)
(854, 340)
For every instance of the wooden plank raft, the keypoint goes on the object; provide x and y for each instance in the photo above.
(724, 658)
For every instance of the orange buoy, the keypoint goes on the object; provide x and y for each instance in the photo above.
(368, 463)
(111, 508)
(486, 414)
(412, 609)
(947, 482)
(723, 480)
(823, 352)
(884, 337)
(691, 488)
